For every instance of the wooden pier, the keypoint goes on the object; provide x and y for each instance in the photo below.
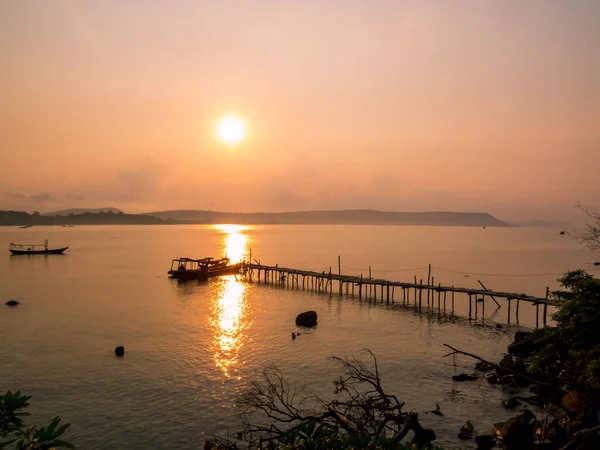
(417, 293)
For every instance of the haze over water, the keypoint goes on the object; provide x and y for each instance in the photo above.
(191, 347)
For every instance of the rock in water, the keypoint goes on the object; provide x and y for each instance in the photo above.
(120, 350)
(485, 441)
(465, 377)
(12, 303)
(307, 319)
(523, 345)
(511, 403)
(466, 431)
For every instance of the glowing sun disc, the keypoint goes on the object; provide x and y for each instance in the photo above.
(231, 129)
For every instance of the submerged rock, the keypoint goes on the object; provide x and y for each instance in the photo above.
(120, 350)
(307, 319)
(465, 377)
(12, 303)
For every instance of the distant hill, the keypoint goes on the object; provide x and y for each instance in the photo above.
(558, 224)
(66, 212)
(333, 217)
(19, 218)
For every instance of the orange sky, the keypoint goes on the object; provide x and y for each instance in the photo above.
(397, 105)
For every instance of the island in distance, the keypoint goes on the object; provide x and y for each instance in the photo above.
(105, 216)
(335, 217)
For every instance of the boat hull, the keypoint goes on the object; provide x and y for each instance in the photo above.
(202, 275)
(53, 251)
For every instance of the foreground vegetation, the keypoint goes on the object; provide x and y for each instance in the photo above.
(15, 434)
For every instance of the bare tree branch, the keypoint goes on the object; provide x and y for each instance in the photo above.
(272, 410)
(590, 237)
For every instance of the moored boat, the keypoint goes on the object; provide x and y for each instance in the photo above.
(202, 269)
(34, 249)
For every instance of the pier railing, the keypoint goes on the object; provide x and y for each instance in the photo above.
(416, 293)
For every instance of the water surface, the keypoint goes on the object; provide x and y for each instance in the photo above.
(190, 347)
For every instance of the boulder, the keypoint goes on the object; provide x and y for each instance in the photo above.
(12, 303)
(513, 363)
(466, 431)
(120, 350)
(485, 441)
(523, 345)
(517, 432)
(307, 319)
(575, 403)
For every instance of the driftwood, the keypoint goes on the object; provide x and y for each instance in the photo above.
(497, 367)
(584, 439)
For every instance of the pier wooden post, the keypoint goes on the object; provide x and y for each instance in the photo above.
(439, 295)
(470, 306)
(415, 290)
(445, 292)
(420, 292)
(537, 315)
(452, 300)
(483, 306)
(360, 287)
(517, 311)
(508, 320)
(546, 304)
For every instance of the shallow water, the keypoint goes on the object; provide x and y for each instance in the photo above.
(190, 347)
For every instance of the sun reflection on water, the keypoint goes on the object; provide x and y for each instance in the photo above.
(229, 306)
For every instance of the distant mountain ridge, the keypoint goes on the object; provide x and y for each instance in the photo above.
(66, 212)
(335, 217)
(108, 216)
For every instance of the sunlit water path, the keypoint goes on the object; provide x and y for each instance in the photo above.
(190, 347)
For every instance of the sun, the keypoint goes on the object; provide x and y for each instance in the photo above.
(231, 129)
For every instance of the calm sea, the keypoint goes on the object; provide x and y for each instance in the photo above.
(191, 347)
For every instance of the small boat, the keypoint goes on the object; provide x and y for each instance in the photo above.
(26, 226)
(202, 269)
(34, 249)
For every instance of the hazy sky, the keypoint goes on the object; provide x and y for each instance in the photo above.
(400, 105)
